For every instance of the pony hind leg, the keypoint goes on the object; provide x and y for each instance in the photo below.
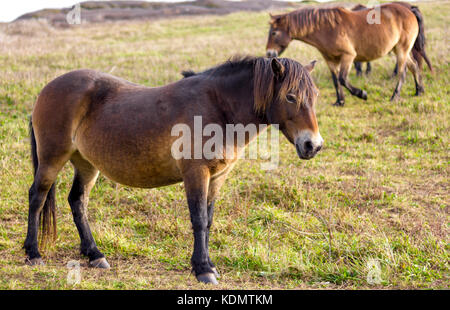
(345, 65)
(41, 211)
(42, 207)
(83, 181)
(415, 70)
(358, 68)
(401, 63)
(368, 68)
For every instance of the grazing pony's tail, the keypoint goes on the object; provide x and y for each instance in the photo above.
(419, 45)
(48, 214)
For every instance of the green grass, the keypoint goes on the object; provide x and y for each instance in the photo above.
(378, 190)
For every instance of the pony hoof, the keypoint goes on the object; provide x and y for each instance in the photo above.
(34, 261)
(364, 95)
(339, 103)
(208, 278)
(420, 92)
(99, 263)
(216, 273)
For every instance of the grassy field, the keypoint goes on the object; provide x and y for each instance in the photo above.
(379, 190)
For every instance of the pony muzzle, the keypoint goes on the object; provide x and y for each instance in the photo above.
(271, 53)
(308, 144)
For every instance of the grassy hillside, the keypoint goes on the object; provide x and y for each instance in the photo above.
(379, 190)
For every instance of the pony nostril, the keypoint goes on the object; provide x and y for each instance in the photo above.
(271, 54)
(308, 146)
(319, 148)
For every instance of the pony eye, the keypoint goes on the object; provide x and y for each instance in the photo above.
(291, 98)
(274, 33)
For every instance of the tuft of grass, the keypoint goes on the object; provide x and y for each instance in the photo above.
(377, 191)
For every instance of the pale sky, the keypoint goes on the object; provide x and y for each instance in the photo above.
(10, 10)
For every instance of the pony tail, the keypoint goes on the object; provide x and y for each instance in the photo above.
(419, 44)
(48, 214)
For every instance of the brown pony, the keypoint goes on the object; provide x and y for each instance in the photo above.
(99, 122)
(418, 51)
(343, 36)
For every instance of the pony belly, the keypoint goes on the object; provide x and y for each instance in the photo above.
(145, 169)
(140, 179)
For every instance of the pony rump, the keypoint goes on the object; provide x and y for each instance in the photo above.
(296, 80)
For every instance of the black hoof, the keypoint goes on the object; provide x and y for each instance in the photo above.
(216, 273)
(208, 278)
(37, 261)
(420, 91)
(99, 263)
(363, 95)
(339, 103)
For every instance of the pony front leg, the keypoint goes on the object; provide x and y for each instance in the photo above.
(196, 182)
(337, 86)
(346, 63)
(215, 183)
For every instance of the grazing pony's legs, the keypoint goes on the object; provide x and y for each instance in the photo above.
(337, 86)
(368, 68)
(401, 64)
(83, 181)
(415, 70)
(196, 180)
(358, 67)
(345, 66)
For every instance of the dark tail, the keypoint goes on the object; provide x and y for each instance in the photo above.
(48, 213)
(419, 44)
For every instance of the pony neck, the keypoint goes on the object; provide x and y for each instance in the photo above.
(236, 99)
(305, 25)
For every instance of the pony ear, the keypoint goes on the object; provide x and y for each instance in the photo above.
(277, 67)
(272, 19)
(310, 66)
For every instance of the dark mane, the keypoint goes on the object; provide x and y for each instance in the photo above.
(307, 20)
(359, 7)
(188, 73)
(296, 79)
(235, 63)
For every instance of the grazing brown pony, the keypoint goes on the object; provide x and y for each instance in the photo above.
(99, 122)
(343, 36)
(418, 51)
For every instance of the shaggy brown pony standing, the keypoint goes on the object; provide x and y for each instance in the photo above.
(418, 51)
(343, 36)
(99, 122)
